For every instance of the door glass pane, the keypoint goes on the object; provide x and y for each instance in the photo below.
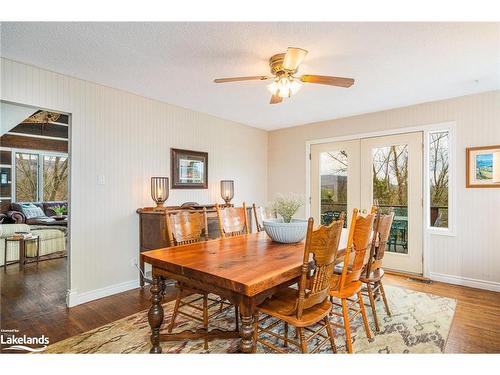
(55, 178)
(26, 177)
(333, 185)
(390, 191)
(438, 173)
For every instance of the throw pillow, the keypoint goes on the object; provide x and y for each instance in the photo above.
(31, 211)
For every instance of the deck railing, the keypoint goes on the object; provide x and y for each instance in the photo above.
(438, 214)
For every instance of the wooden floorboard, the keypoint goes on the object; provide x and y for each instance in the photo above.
(34, 303)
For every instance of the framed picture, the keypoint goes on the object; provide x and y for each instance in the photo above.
(483, 167)
(189, 169)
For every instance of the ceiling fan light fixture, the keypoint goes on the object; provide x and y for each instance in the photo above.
(283, 67)
(284, 87)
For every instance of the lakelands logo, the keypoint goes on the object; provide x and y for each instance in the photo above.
(22, 342)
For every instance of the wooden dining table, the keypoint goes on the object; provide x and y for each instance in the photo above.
(245, 270)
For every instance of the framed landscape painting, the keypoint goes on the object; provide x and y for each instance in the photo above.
(483, 167)
(189, 169)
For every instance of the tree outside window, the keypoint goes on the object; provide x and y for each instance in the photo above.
(53, 179)
(26, 177)
(439, 177)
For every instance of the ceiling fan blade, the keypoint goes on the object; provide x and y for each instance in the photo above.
(293, 58)
(275, 99)
(328, 80)
(237, 79)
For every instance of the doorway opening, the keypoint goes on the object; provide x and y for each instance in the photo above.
(35, 211)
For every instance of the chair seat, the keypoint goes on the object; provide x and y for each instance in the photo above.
(285, 300)
(374, 277)
(348, 291)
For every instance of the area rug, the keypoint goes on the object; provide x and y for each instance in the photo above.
(420, 323)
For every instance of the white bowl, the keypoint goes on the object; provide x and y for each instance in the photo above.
(286, 232)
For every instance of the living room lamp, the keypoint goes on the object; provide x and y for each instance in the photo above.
(227, 190)
(159, 190)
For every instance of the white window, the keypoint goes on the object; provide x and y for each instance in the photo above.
(40, 176)
(440, 180)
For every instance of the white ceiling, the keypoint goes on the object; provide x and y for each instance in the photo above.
(394, 64)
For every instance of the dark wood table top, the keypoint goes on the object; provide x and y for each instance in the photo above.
(245, 264)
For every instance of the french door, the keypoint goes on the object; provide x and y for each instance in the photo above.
(386, 171)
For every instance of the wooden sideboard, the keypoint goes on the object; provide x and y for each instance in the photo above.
(153, 229)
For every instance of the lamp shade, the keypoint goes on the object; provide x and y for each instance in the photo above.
(227, 190)
(496, 167)
(159, 190)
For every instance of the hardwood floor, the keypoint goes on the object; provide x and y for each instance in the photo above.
(34, 303)
(476, 325)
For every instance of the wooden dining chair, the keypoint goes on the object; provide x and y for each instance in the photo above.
(233, 221)
(346, 286)
(260, 214)
(307, 307)
(187, 227)
(373, 274)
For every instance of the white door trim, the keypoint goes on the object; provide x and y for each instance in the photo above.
(427, 128)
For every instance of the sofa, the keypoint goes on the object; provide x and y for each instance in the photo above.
(52, 240)
(20, 213)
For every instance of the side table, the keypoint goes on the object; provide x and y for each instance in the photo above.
(22, 251)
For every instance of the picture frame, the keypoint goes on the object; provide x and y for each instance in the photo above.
(189, 169)
(483, 167)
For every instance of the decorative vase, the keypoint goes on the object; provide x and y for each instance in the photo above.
(282, 232)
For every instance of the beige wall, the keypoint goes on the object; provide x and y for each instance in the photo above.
(127, 138)
(472, 257)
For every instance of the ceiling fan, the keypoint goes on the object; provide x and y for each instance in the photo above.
(285, 84)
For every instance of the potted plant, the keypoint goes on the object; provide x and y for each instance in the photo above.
(285, 228)
(59, 210)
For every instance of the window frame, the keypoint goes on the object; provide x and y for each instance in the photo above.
(451, 229)
(40, 154)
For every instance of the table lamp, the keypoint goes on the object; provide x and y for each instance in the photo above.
(159, 190)
(227, 191)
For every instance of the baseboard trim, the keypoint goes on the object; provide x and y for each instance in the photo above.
(74, 298)
(409, 275)
(466, 281)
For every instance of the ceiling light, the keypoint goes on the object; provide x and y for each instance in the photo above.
(284, 87)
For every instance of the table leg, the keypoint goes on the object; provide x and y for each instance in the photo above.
(5, 257)
(155, 315)
(37, 251)
(22, 249)
(247, 311)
